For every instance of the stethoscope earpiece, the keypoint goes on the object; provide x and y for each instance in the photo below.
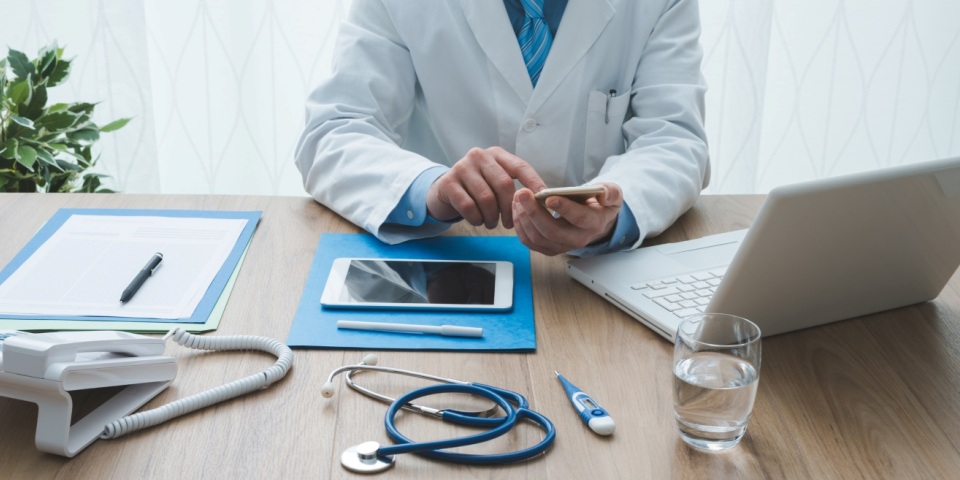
(328, 390)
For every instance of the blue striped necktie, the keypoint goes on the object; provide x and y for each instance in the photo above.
(534, 38)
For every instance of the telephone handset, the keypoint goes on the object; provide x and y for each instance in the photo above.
(43, 368)
(86, 359)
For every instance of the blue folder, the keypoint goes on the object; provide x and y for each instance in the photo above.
(512, 331)
(210, 297)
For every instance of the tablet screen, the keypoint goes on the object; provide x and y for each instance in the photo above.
(418, 282)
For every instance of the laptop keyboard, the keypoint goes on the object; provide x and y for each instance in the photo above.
(684, 295)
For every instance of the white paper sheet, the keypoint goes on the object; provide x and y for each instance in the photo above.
(85, 265)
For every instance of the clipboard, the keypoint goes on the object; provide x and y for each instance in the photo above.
(206, 315)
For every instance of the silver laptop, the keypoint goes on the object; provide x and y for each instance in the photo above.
(817, 252)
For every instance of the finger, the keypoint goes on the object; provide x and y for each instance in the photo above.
(528, 235)
(519, 169)
(578, 224)
(595, 213)
(589, 222)
(503, 189)
(521, 232)
(438, 203)
(542, 229)
(584, 216)
(612, 195)
(484, 199)
(462, 202)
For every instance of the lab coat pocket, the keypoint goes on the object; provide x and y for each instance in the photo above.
(604, 134)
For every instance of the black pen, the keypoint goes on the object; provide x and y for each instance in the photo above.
(141, 277)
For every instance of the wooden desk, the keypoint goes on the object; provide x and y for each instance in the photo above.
(876, 397)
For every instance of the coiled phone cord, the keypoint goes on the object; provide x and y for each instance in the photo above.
(149, 418)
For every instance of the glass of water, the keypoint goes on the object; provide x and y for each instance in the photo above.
(716, 370)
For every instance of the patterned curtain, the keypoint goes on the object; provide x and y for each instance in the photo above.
(798, 90)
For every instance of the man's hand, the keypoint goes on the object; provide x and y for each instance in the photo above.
(576, 225)
(480, 188)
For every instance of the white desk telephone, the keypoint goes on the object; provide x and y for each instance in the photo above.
(43, 368)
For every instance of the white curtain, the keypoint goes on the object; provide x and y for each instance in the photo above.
(216, 89)
(816, 88)
(798, 89)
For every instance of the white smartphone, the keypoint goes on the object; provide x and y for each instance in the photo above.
(387, 283)
(577, 194)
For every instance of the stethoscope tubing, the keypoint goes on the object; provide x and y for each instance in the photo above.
(405, 445)
(498, 426)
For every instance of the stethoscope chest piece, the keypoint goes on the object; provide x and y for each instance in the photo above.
(365, 458)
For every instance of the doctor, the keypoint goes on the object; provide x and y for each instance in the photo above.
(434, 108)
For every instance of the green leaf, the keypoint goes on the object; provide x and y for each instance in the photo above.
(91, 183)
(83, 123)
(82, 107)
(44, 156)
(84, 135)
(60, 72)
(25, 122)
(10, 149)
(80, 160)
(28, 157)
(67, 166)
(47, 60)
(59, 183)
(46, 148)
(56, 121)
(114, 125)
(19, 91)
(45, 139)
(16, 131)
(21, 65)
(33, 109)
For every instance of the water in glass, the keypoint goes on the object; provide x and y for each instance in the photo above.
(713, 397)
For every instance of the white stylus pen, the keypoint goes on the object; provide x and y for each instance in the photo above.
(446, 330)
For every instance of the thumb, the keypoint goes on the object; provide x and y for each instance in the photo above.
(612, 196)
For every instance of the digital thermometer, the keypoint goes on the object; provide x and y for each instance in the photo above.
(590, 411)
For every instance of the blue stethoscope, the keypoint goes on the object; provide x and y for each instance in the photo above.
(370, 457)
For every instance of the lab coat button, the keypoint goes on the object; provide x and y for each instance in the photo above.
(410, 214)
(530, 125)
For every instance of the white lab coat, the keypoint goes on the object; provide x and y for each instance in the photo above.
(418, 83)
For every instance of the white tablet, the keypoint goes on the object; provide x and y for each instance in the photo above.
(387, 283)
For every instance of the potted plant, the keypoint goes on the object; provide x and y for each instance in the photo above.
(45, 149)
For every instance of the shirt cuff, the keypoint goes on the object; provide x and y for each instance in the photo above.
(625, 234)
(411, 210)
